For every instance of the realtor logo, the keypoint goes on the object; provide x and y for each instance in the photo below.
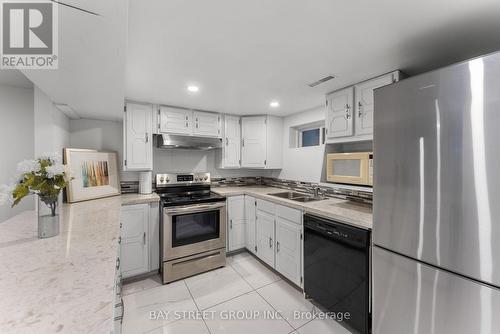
(29, 34)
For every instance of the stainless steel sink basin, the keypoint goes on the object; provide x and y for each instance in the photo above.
(288, 195)
(307, 199)
(298, 197)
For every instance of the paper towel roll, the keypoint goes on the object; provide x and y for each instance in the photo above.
(145, 182)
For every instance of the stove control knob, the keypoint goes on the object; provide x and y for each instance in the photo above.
(161, 179)
(168, 180)
(205, 178)
(197, 179)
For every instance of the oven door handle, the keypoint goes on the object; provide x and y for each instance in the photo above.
(193, 208)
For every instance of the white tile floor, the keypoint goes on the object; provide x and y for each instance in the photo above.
(243, 297)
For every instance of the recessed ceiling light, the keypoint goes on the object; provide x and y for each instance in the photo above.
(274, 104)
(193, 89)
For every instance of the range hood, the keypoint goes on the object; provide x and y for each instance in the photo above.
(180, 142)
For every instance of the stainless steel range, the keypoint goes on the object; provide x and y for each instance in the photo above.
(192, 227)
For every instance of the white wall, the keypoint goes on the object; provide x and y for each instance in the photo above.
(108, 135)
(302, 163)
(165, 161)
(16, 139)
(51, 126)
(100, 135)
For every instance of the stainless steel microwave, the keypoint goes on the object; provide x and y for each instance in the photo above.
(350, 168)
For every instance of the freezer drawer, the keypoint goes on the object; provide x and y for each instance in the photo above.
(411, 297)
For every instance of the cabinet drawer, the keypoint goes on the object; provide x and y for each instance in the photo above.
(266, 206)
(292, 215)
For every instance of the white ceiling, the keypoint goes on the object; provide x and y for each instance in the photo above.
(90, 78)
(243, 54)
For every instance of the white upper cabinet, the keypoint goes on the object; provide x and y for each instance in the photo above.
(138, 137)
(339, 113)
(253, 145)
(365, 103)
(176, 120)
(262, 141)
(349, 111)
(231, 142)
(206, 124)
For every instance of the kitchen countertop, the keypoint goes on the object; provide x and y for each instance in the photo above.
(344, 211)
(65, 283)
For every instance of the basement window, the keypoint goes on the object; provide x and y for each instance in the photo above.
(307, 135)
(310, 137)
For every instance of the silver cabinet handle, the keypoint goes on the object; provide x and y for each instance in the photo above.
(197, 125)
(270, 242)
(360, 110)
(231, 224)
(277, 246)
(147, 137)
(227, 141)
(187, 118)
(187, 125)
(243, 142)
(119, 240)
(144, 238)
(347, 111)
(117, 263)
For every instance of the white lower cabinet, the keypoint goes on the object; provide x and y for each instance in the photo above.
(250, 206)
(271, 231)
(235, 223)
(288, 249)
(134, 247)
(264, 226)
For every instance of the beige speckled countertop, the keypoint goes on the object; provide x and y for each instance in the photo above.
(65, 283)
(348, 212)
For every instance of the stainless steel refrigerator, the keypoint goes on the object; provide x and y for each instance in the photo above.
(436, 231)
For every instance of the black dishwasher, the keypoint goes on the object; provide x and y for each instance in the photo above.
(337, 271)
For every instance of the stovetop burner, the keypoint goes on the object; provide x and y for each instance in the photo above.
(185, 189)
(185, 199)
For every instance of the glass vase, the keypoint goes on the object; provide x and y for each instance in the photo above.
(48, 217)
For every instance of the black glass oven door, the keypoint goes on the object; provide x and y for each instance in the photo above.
(196, 227)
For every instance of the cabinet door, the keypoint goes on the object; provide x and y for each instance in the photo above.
(264, 226)
(364, 103)
(339, 113)
(138, 136)
(236, 222)
(134, 250)
(253, 146)
(154, 237)
(232, 142)
(250, 204)
(175, 120)
(206, 124)
(288, 249)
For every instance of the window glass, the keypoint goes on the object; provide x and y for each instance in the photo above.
(310, 137)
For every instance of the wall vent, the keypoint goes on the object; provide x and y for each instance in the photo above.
(320, 81)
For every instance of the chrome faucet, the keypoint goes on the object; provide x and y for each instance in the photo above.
(317, 191)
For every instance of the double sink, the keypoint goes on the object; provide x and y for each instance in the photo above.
(297, 197)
